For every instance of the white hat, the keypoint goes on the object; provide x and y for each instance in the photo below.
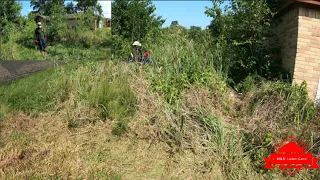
(136, 43)
(39, 23)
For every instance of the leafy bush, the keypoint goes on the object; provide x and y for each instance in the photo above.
(251, 82)
(245, 30)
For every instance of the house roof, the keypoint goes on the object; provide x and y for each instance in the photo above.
(291, 3)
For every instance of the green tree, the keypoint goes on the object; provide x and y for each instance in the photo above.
(195, 32)
(57, 27)
(275, 4)
(84, 5)
(134, 19)
(71, 8)
(174, 24)
(44, 7)
(98, 9)
(244, 28)
(9, 12)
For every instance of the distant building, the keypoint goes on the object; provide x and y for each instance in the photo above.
(108, 22)
(96, 23)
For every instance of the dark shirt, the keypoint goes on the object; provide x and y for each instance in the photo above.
(137, 53)
(39, 34)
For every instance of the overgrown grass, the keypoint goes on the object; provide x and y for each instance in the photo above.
(91, 85)
(272, 105)
(221, 137)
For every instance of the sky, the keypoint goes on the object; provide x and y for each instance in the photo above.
(106, 7)
(187, 13)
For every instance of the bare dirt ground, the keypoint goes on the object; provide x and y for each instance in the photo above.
(12, 70)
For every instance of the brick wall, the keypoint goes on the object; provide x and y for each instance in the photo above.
(288, 32)
(308, 49)
(299, 35)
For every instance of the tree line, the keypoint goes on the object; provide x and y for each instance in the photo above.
(10, 9)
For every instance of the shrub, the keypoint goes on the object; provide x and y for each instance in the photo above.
(249, 83)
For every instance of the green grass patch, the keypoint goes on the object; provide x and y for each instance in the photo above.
(32, 93)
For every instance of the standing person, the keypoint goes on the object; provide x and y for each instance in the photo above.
(40, 37)
(136, 54)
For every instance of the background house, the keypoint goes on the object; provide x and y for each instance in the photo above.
(299, 37)
(108, 22)
(96, 21)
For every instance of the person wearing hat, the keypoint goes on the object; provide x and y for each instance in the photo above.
(40, 38)
(136, 54)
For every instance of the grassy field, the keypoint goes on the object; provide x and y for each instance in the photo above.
(96, 118)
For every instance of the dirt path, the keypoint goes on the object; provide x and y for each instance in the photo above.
(12, 70)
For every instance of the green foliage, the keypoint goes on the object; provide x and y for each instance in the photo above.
(133, 20)
(174, 24)
(44, 7)
(86, 38)
(251, 82)
(213, 126)
(120, 47)
(257, 149)
(70, 8)
(57, 27)
(244, 29)
(195, 32)
(9, 13)
(275, 4)
(183, 65)
(84, 5)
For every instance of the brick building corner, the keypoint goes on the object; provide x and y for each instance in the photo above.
(299, 37)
